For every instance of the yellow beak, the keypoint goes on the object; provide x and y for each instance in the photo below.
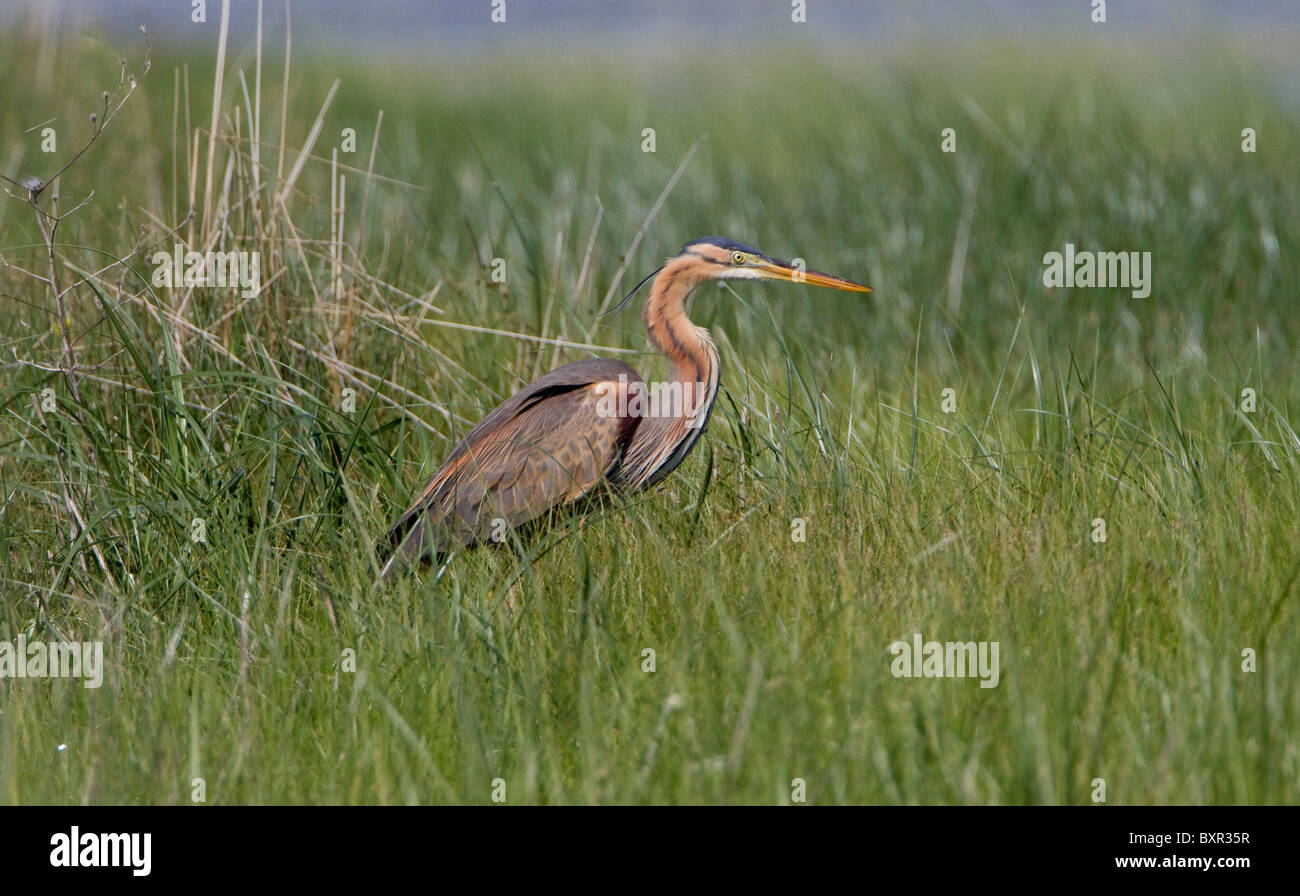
(773, 271)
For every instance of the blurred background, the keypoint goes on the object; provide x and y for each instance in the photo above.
(399, 155)
(423, 26)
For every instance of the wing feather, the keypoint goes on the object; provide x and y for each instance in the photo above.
(545, 446)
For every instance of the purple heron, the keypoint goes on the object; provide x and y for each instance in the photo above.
(589, 424)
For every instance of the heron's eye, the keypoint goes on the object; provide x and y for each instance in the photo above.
(738, 258)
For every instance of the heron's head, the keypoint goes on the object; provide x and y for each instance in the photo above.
(718, 258)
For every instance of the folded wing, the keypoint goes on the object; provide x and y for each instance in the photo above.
(546, 446)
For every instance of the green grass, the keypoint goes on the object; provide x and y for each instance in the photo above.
(1120, 660)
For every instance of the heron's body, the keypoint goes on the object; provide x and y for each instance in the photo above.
(581, 426)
